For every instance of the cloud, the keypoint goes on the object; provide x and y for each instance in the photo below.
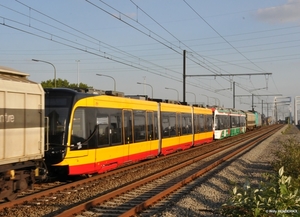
(289, 12)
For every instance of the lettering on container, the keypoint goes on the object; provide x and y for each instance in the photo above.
(7, 118)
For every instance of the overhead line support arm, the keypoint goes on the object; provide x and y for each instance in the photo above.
(215, 75)
(223, 75)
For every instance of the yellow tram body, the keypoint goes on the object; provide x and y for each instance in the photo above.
(105, 132)
(110, 157)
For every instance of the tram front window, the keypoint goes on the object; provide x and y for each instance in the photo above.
(57, 110)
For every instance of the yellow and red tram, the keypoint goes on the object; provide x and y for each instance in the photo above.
(91, 133)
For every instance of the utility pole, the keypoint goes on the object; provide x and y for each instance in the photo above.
(296, 102)
(184, 73)
(233, 90)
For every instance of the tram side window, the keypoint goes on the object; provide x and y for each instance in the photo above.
(139, 126)
(196, 123)
(186, 124)
(173, 131)
(165, 125)
(91, 127)
(232, 124)
(116, 127)
(243, 121)
(208, 122)
(206, 127)
(109, 125)
(83, 129)
(217, 123)
(201, 123)
(222, 122)
(178, 124)
(189, 123)
(227, 121)
(78, 129)
(238, 121)
(150, 126)
(103, 130)
(233, 121)
(128, 126)
(169, 124)
(155, 126)
(183, 125)
(205, 123)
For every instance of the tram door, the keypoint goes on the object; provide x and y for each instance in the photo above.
(186, 137)
(151, 134)
(110, 150)
(128, 132)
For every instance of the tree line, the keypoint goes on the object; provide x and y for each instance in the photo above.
(62, 83)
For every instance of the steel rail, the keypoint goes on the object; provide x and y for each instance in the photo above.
(133, 211)
(69, 186)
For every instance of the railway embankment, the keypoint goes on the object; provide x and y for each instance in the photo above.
(207, 198)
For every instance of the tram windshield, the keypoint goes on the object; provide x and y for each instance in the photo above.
(58, 111)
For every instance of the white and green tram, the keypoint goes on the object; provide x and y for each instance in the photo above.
(228, 122)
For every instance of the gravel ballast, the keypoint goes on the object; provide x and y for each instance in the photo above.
(206, 198)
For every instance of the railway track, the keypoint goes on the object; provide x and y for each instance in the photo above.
(105, 186)
(136, 197)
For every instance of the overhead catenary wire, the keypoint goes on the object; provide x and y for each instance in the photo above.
(180, 42)
(204, 65)
(86, 49)
(77, 30)
(68, 26)
(222, 36)
(147, 69)
(145, 33)
(52, 35)
(165, 43)
(81, 32)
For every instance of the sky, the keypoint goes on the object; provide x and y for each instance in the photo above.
(238, 53)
